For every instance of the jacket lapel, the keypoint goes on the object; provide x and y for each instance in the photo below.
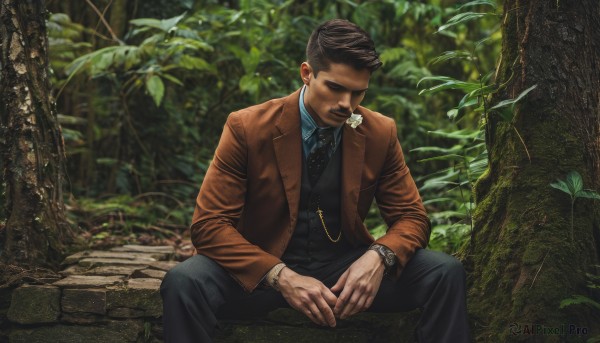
(288, 151)
(353, 157)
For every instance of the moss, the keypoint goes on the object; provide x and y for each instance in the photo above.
(519, 223)
(288, 326)
(522, 262)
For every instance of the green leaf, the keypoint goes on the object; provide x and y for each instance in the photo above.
(461, 18)
(507, 114)
(156, 88)
(595, 339)
(437, 200)
(574, 182)
(448, 83)
(449, 157)
(107, 161)
(511, 102)
(84, 61)
(436, 149)
(190, 62)
(448, 55)
(561, 186)
(71, 135)
(460, 134)
(172, 79)
(467, 101)
(163, 25)
(452, 113)
(250, 84)
(149, 22)
(251, 60)
(491, 3)
(448, 214)
(579, 299)
(378, 231)
(100, 63)
(393, 54)
(70, 120)
(485, 90)
(189, 43)
(589, 194)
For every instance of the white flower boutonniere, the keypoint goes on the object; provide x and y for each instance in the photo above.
(354, 120)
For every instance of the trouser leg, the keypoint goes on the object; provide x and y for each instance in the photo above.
(435, 282)
(191, 292)
(198, 291)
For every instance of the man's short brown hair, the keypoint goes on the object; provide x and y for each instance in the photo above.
(340, 41)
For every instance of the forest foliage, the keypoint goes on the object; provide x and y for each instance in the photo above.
(142, 110)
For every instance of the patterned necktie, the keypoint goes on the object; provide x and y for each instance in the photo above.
(318, 158)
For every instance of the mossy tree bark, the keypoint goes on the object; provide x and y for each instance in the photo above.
(31, 144)
(521, 260)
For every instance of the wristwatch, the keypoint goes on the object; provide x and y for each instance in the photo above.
(387, 255)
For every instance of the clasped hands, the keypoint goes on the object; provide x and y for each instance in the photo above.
(357, 288)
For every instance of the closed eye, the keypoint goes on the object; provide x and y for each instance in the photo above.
(335, 87)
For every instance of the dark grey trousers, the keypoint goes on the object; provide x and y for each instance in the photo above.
(198, 292)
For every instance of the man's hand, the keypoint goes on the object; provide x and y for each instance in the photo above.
(359, 285)
(308, 295)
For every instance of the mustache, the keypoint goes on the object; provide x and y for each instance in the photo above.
(342, 111)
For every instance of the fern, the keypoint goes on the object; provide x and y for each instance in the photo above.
(573, 186)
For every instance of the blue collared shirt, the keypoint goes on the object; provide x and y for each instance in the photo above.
(309, 128)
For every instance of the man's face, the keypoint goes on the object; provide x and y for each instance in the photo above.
(334, 94)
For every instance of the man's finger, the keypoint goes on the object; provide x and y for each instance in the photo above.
(360, 305)
(316, 315)
(351, 305)
(369, 302)
(327, 314)
(342, 302)
(329, 297)
(308, 313)
(341, 282)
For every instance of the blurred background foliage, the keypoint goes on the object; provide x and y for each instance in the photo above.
(144, 88)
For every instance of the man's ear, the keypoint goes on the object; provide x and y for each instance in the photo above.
(306, 72)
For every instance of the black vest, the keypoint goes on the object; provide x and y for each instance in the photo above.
(309, 247)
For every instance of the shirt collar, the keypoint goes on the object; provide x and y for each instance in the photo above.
(308, 124)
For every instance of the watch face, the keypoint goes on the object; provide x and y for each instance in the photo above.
(390, 259)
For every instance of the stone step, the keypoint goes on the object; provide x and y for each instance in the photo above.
(290, 326)
(168, 250)
(150, 257)
(104, 296)
(114, 296)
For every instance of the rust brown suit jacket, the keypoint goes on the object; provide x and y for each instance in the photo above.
(247, 206)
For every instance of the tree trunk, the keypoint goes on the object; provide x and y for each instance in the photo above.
(521, 261)
(32, 148)
(118, 17)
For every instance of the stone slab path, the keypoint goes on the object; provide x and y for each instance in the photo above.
(104, 296)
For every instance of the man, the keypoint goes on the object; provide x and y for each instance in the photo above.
(279, 217)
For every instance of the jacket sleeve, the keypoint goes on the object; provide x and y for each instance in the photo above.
(401, 206)
(219, 207)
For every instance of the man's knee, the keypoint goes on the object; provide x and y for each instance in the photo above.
(439, 266)
(451, 268)
(176, 281)
(188, 276)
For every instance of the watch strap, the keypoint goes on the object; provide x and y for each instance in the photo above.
(386, 254)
